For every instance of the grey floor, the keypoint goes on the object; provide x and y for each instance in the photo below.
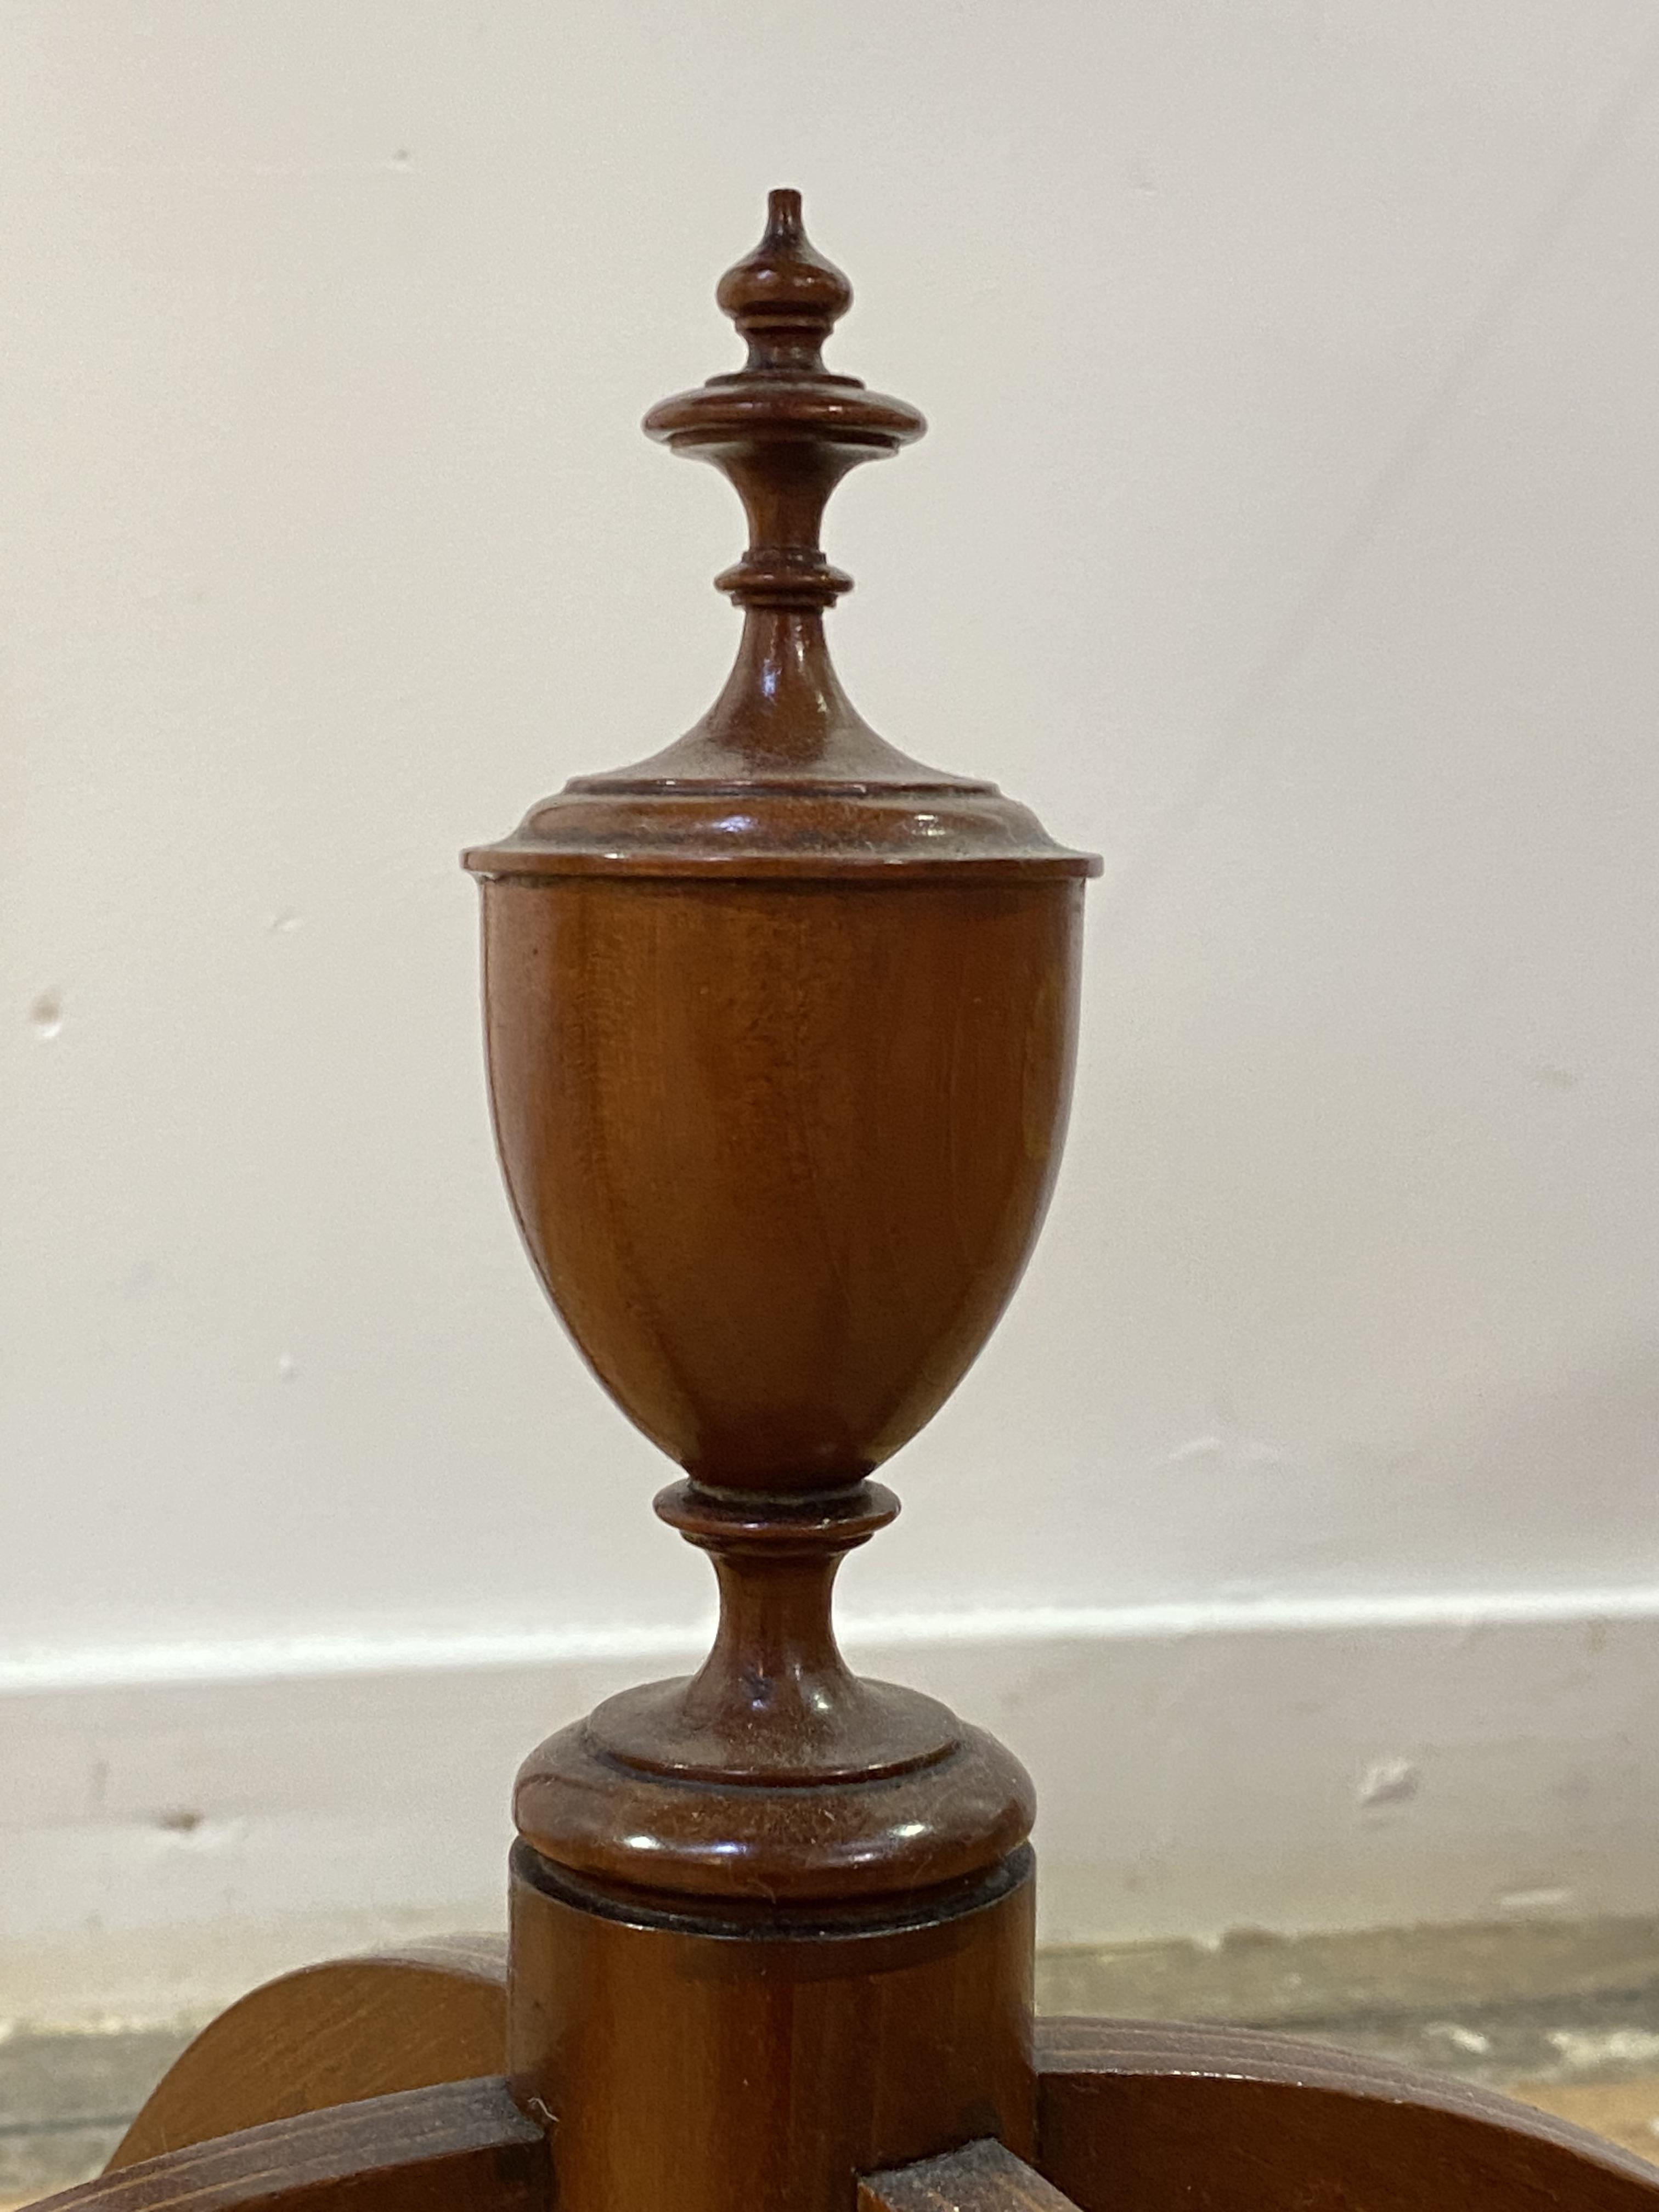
(1565, 2015)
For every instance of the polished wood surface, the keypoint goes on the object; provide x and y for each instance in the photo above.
(331, 2034)
(781, 1027)
(776, 1777)
(767, 2060)
(982, 2177)
(1138, 2115)
(780, 1023)
(780, 1152)
(464, 2147)
(1133, 2117)
(782, 778)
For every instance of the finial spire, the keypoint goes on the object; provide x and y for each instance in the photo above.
(822, 792)
(783, 428)
(784, 297)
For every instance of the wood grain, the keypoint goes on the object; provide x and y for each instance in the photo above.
(779, 1152)
(768, 2062)
(780, 1027)
(332, 2034)
(1139, 2117)
(464, 2147)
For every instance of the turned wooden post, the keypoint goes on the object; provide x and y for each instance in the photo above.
(781, 1029)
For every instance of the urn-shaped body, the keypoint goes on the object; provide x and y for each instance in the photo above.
(780, 1146)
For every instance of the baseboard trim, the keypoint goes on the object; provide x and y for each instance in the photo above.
(267, 1658)
(180, 1821)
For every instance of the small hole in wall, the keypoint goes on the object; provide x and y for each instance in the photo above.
(47, 1015)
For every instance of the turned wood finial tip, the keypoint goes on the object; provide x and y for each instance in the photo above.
(784, 297)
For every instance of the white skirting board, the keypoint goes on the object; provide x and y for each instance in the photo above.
(177, 1825)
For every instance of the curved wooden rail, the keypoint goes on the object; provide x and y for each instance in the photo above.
(1135, 2116)
(462, 2148)
(332, 2034)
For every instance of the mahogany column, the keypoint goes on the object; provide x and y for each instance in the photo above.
(780, 1032)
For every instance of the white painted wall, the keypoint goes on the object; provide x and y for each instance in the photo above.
(1288, 529)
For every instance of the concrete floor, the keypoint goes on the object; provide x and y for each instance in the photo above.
(1564, 2015)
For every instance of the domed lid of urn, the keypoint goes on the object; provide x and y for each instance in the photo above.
(782, 776)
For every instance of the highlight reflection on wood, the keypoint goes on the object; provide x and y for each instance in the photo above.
(332, 2034)
(1136, 2116)
(462, 2148)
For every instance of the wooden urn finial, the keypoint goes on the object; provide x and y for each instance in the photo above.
(781, 1027)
